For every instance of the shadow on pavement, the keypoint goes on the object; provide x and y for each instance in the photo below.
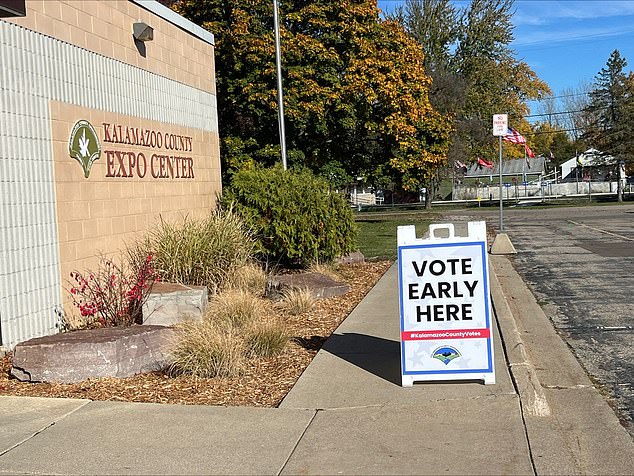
(375, 355)
(311, 343)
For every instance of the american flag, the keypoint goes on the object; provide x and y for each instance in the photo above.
(515, 137)
(460, 165)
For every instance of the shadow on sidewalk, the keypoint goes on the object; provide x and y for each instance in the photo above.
(376, 355)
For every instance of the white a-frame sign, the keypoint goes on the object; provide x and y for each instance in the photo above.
(445, 307)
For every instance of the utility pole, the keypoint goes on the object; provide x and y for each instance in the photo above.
(280, 98)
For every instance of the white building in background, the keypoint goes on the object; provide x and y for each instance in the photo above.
(589, 165)
(530, 169)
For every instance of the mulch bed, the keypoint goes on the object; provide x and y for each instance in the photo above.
(264, 384)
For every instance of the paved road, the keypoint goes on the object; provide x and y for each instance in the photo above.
(579, 263)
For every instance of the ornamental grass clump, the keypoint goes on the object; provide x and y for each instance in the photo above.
(201, 252)
(329, 270)
(207, 350)
(236, 327)
(237, 308)
(250, 278)
(297, 302)
(266, 338)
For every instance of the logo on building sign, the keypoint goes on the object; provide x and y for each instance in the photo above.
(83, 145)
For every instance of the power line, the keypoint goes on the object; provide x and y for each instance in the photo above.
(554, 131)
(575, 39)
(558, 113)
(563, 96)
(554, 113)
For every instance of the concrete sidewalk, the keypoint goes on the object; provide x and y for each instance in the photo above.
(348, 414)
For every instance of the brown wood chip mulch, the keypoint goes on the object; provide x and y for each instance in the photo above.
(264, 384)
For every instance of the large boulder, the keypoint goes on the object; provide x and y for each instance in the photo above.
(93, 353)
(351, 258)
(319, 285)
(171, 303)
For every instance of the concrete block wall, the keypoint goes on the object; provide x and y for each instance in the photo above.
(105, 27)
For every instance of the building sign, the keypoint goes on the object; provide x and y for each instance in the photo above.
(167, 156)
(83, 145)
(445, 310)
(133, 151)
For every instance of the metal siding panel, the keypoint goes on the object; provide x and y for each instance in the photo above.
(28, 273)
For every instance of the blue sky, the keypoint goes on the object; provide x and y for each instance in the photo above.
(567, 42)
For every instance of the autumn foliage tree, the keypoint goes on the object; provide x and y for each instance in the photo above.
(475, 70)
(355, 89)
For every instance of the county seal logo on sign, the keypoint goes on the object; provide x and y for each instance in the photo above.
(444, 306)
(84, 146)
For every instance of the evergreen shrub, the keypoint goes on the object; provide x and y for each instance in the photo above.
(296, 218)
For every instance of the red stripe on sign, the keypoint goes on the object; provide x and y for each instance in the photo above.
(447, 334)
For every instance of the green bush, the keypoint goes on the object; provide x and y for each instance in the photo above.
(202, 252)
(294, 215)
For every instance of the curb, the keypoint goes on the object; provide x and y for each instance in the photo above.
(531, 392)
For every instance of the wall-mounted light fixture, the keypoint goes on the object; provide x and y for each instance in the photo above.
(12, 8)
(142, 32)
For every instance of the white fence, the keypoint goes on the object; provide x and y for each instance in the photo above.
(533, 190)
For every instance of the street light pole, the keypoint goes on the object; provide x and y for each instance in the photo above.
(280, 100)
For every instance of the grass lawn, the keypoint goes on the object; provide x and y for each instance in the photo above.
(377, 227)
(377, 231)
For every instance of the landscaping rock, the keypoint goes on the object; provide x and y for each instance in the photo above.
(319, 285)
(109, 352)
(171, 303)
(350, 258)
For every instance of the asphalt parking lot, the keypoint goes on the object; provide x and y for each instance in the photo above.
(579, 263)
